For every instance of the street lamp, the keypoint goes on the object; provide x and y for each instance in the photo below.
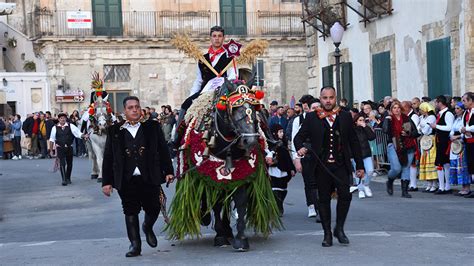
(337, 31)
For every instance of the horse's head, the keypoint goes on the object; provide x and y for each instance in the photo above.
(241, 108)
(102, 115)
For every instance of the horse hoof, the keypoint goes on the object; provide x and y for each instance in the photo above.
(94, 176)
(221, 241)
(241, 244)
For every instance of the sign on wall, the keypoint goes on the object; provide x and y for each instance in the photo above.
(75, 96)
(79, 19)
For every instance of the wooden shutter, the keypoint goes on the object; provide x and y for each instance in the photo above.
(381, 75)
(438, 62)
(347, 87)
(233, 17)
(328, 76)
(107, 17)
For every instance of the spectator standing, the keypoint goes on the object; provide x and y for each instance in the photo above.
(2, 128)
(365, 134)
(16, 128)
(279, 118)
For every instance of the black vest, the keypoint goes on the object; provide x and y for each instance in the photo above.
(64, 136)
(442, 136)
(332, 151)
(135, 153)
(207, 74)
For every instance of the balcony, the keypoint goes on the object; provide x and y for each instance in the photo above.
(163, 24)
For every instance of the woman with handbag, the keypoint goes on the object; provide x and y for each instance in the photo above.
(459, 174)
(401, 147)
(428, 169)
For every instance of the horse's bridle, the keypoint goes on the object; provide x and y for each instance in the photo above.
(237, 99)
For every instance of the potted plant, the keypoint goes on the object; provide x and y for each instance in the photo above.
(29, 66)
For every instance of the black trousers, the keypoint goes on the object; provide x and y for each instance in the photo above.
(17, 146)
(65, 159)
(43, 146)
(326, 184)
(280, 182)
(187, 103)
(309, 179)
(136, 194)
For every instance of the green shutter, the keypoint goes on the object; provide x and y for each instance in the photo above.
(438, 62)
(347, 87)
(381, 75)
(107, 17)
(233, 17)
(328, 79)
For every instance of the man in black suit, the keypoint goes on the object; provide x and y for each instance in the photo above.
(334, 143)
(136, 163)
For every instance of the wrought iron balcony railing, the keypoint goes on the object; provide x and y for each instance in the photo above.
(163, 24)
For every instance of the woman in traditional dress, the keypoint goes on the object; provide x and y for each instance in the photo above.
(458, 171)
(428, 170)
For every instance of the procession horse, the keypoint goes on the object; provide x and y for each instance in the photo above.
(99, 119)
(221, 160)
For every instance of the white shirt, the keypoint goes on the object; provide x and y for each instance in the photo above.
(294, 130)
(457, 125)
(415, 118)
(469, 128)
(231, 74)
(424, 127)
(75, 131)
(333, 119)
(448, 118)
(133, 131)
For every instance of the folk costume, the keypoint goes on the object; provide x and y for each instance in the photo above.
(444, 123)
(459, 174)
(334, 142)
(62, 139)
(136, 162)
(428, 170)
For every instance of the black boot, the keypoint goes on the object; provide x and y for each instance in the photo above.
(147, 228)
(63, 175)
(279, 200)
(68, 174)
(390, 186)
(405, 184)
(342, 210)
(325, 214)
(94, 176)
(133, 232)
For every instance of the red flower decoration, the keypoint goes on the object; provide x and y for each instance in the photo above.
(98, 93)
(259, 94)
(221, 106)
(91, 111)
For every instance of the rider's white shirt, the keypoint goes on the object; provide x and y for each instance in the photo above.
(133, 131)
(231, 74)
(75, 131)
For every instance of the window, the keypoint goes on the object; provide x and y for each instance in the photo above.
(107, 17)
(116, 73)
(233, 17)
(116, 100)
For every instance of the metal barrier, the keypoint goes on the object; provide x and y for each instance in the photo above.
(380, 151)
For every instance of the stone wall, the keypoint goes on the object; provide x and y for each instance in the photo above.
(312, 59)
(159, 73)
(469, 44)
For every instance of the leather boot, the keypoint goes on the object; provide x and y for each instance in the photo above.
(390, 186)
(63, 175)
(405, 184)
(342, 211)
(279, 200)
(147, 228)
(325, 214)
(133, 232)
(68, 174)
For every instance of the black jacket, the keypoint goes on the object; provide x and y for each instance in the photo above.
(365, 134)
(156, 153)
(313, 128)
(28, 126)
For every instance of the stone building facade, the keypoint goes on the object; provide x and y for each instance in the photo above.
(132, 47)
(404, 49)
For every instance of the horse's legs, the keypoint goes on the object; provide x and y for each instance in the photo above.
(240, 198)
(222, 227)
(92, 159)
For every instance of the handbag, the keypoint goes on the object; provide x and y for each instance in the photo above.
(26, 143)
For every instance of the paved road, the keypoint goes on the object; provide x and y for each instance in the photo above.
(42, 222)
